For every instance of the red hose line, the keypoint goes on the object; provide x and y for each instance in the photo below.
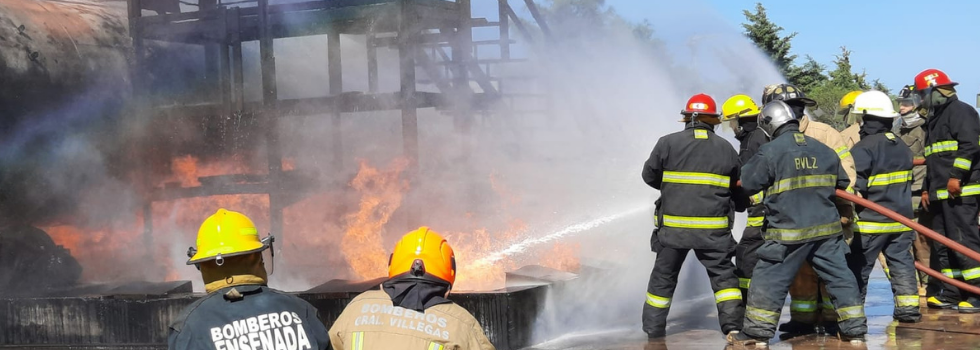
(908, 222)
(919, 161)
(959, 284)
(921, 230)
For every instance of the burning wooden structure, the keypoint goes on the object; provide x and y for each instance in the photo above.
(431, 36)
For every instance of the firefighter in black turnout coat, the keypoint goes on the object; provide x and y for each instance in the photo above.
(952, 180)
(743, 113)
(240, 311)
(696, 172)
(884, 176)
(799, 175)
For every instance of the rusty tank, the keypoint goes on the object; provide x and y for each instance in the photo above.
(52, 51)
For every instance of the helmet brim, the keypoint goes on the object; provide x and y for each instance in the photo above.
(806, 101)
(200, 257)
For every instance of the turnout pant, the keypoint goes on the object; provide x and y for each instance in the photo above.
(778, 264)
(805, 294)
(663, 280)
(746, 257)
(920, 246)
(896, 248)
(956, 218)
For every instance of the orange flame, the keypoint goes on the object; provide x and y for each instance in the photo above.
(382, 193)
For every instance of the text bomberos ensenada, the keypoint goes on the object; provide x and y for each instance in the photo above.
(273, 331)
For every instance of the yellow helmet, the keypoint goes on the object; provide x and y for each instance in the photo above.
(848, 100)
(739, 106)
(423, 253)
(224, 234)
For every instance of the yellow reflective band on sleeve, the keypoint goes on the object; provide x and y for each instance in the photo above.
(966, 191)
(898, 177)
(435, 346)
(755, 221)
(803, 305)
(906, 300)
(952, 273)
(700, 134)
(843, 152)
(764, 316)
(727, 295)
(807, 181)
(744, 283)
(942, 146)
(962, 163)
(696, 222)
(357, 341)
(658, 301)
(971, 274)
(847, 313)
(757, 198)
(880, 227)
(689, 178)
(792, 234)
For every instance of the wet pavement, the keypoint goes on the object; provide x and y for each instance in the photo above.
(697, 329)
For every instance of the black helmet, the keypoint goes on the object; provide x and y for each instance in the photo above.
(788, 93)
(908, 97)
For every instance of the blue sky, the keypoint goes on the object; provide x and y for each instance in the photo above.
(890, 40)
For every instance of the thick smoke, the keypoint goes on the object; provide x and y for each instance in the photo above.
(518, 172)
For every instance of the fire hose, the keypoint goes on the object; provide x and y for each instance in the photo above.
(921, 230)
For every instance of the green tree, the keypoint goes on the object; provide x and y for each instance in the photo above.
(767, 36)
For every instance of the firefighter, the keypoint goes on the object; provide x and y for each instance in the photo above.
(884, 169)
(805, 301)
(911, 129)
(800, 176)
(411, 310)
(851, 134)
(240, 311)
(743, 113)
(952, 177)
(696, 172)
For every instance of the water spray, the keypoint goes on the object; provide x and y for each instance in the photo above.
(522, 246)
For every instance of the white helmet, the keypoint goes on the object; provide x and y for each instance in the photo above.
(874, 103)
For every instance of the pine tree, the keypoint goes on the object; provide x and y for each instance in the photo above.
(767, 36)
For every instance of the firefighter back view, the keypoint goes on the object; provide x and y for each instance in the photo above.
(806, 307)
(800, 176)
(884, 168)
(411, 311)
(240, 311)
(743, 113)
(696, 172)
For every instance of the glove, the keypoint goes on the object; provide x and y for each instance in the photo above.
(925, 201)
(953, 186)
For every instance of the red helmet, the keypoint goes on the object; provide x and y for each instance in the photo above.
(701, 104)
(932, 77)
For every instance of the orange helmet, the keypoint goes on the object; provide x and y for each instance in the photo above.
(931, 78)
(423, 253)
(701, 104)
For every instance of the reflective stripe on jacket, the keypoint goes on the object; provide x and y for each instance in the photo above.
(800, 176)
(884, 168)
(952, 148)
(696, 172)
